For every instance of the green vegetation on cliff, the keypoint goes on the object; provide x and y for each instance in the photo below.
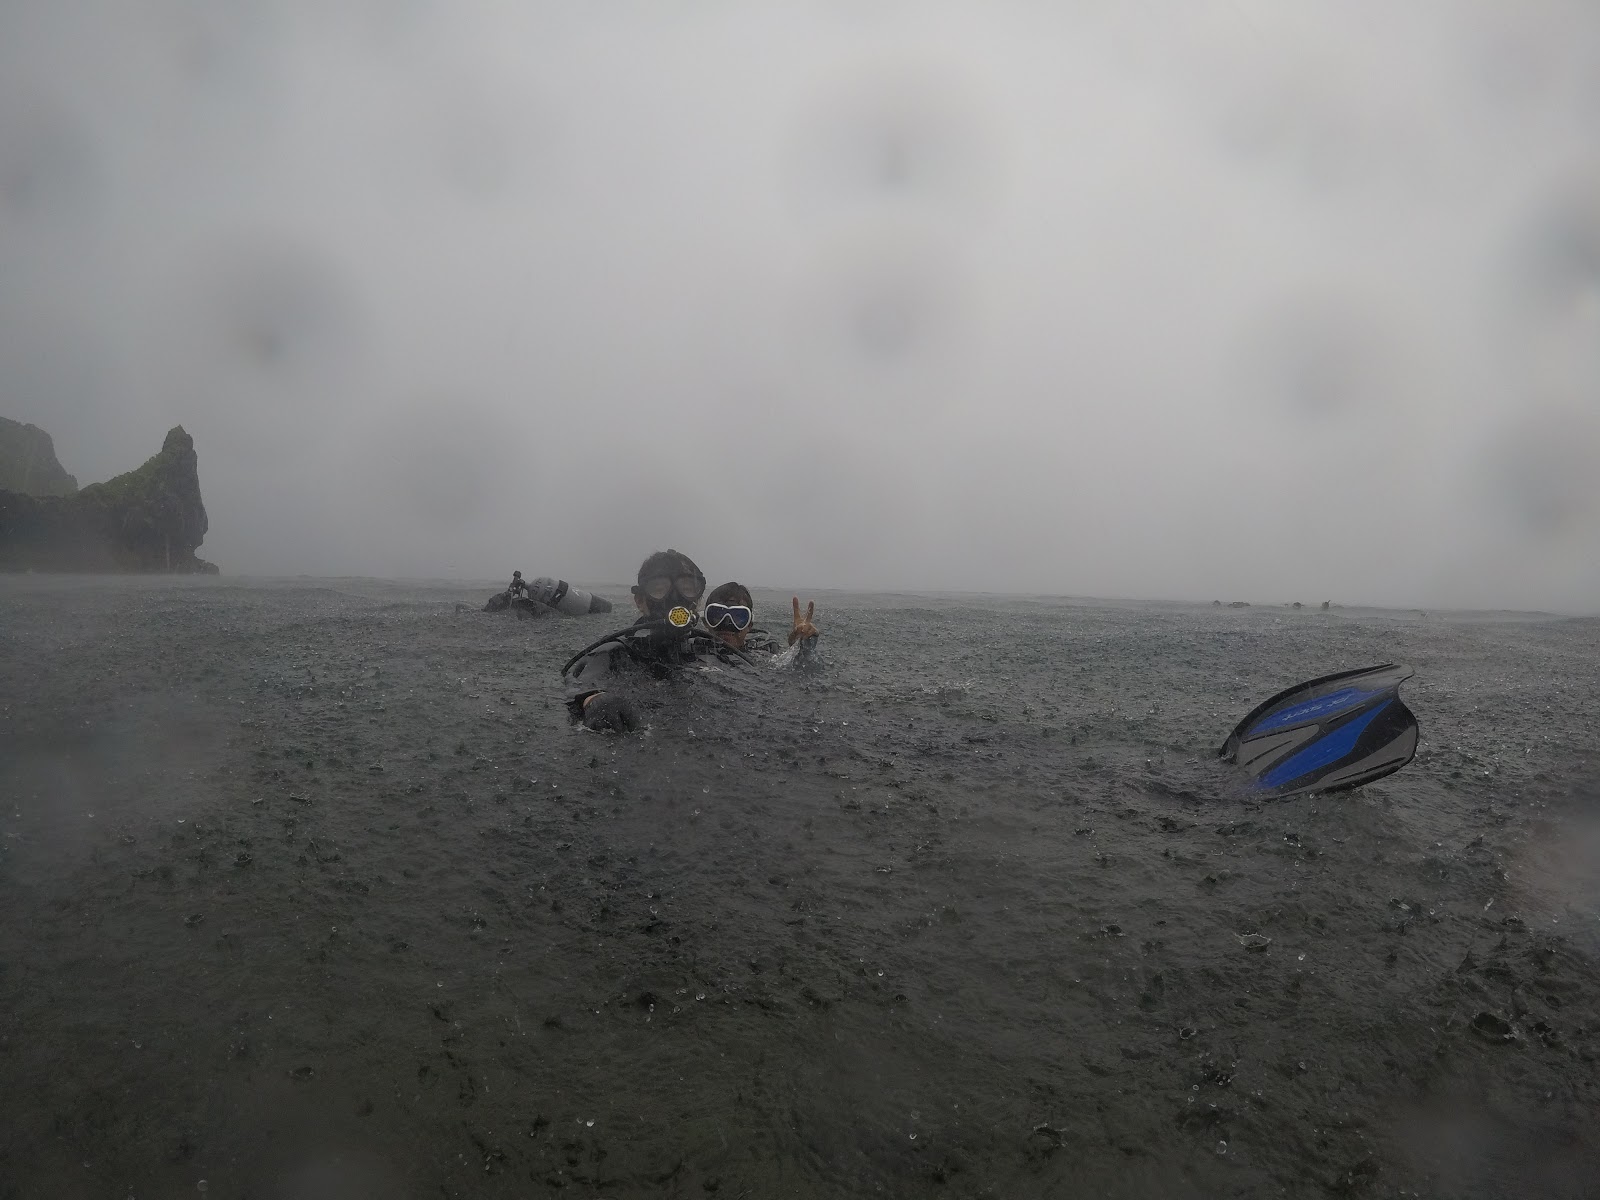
(28, 462)
(150, 519)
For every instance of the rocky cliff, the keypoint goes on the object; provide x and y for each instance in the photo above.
(28, 462)
(151, 519)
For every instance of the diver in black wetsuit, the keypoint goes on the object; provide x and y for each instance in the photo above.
(668, 580)
(546, 597)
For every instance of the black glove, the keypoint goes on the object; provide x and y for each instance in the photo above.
(611, 712)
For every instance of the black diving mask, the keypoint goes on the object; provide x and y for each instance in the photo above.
(658, 587)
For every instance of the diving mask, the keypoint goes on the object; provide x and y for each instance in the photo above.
(659, 587)
(728, 616)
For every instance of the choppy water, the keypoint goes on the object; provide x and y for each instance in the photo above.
(310, 891)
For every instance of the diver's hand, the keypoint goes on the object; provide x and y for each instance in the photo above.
(803, 628)
(608, 712)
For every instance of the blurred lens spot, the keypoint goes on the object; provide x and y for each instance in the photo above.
(470, 136)
(887, 317)
(1559, 867)
(1543, 476)
(48, 166)
(1460, 1141)
(1319, 360)
(442, 461)
(353, 1173)
(475, 156)
(282, 311)
(477, 144)
(1557, 262)
(896, 139)
(1299, 132)
(231, 62)
(55, 366)
(884, 310)
(207, 42)
(1513, 64)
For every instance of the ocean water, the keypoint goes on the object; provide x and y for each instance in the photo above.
(310, 890)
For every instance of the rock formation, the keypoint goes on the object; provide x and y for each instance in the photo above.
(151, 519)
(28, 462)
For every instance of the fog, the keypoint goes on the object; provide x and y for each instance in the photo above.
(1239, 299)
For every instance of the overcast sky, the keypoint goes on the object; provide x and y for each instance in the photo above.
(1163, 298)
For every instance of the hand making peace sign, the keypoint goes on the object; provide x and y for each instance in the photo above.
(803, 628)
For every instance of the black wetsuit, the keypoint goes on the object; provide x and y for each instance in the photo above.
(619, 668)
(655, 659)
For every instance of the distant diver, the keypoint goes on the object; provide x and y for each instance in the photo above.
(545, 597)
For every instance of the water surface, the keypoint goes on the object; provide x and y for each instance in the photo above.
(312, 891)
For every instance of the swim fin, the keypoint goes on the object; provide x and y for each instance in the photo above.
(1326, 735)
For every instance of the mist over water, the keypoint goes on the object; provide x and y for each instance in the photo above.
(936, 313)
(1236, 299)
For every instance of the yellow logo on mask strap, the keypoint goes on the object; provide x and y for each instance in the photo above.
(680, 616)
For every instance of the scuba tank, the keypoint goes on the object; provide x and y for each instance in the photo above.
(566, 599)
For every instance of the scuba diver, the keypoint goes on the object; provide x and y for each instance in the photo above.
(546, 597)
(729, 618)
(669, 635)
(667, 595)
(667, 579)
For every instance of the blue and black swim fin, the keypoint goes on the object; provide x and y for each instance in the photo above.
(1326, 735)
